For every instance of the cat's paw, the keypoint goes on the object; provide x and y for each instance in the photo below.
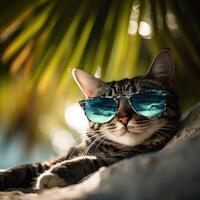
(49, 180)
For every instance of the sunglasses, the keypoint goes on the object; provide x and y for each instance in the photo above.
(148, 103)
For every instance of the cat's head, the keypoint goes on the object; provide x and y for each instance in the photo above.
(128, 127)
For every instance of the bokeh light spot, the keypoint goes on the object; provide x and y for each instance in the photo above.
(75, 118)
(144, 29)
(133, 26)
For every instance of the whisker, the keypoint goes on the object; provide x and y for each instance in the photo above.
(99, 144)
(95, 142)
(147, 125)
(90, 146)
(71, 154)
(161, 133)
(92, 136)
(139, 130)
(82, 137)
(79, 138)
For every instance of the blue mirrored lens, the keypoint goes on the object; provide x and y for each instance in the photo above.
(100, 110)
(150, 104)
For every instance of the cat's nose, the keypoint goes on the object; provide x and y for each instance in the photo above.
(124, 120)
(124, 112)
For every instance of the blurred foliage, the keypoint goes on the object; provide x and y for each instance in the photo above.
(40, 40)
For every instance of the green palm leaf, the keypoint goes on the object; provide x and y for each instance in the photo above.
(41, 40)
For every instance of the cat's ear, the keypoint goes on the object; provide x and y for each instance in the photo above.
(162, 67)
(89, 85)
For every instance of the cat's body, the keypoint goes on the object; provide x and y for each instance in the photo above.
(126, 135)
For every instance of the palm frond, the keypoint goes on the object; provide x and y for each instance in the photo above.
(41, 40)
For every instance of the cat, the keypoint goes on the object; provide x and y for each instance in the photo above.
(126, 134)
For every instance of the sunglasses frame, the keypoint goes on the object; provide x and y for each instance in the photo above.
(127, 96)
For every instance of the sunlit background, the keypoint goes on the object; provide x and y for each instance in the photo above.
(42, 40)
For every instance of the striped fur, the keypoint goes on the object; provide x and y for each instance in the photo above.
(105, 144)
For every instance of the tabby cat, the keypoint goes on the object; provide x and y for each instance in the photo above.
(126, 117)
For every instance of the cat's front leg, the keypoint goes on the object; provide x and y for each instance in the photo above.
(71, 171)
(48, 180)
(20, 177)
